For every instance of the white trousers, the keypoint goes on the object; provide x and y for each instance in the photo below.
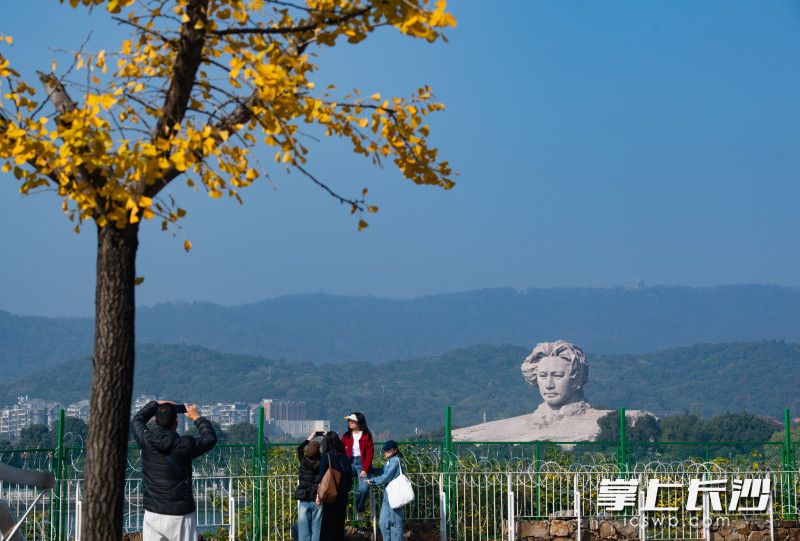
(169, 527)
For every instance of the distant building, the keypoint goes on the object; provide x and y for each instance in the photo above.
(226, 415)
(80, 410)
(298, 429)
(283, 410)
(287, 417)
(27, 412)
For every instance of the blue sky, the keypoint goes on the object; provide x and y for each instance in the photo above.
(597, 143)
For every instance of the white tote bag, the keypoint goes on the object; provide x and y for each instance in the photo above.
(400, 491)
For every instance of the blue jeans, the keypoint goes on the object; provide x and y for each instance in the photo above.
(363, 488)
(309, 521)
(391, 521)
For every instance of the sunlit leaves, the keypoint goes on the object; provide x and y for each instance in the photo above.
(254, 87)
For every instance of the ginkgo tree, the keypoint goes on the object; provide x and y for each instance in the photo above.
(197, 90)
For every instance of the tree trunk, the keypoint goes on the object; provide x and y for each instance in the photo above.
(112, 383)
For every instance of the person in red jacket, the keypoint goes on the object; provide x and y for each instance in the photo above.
(359, 448)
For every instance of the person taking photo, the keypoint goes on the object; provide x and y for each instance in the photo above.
(309, 513)
(169, 505)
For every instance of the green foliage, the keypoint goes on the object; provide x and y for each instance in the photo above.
(644, 428)
(683, 427)
(728, 427)
(35, 437)
(705, 379)
(697, 438)
(242, 433)
(75, 432)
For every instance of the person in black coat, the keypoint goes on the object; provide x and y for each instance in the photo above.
(309, 513)
(334, 513)
(167, 469)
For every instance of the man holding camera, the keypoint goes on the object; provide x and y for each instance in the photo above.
(169, 506)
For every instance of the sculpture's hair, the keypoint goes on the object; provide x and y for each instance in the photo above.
(579, 370)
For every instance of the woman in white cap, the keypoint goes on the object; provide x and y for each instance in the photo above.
(360, 449)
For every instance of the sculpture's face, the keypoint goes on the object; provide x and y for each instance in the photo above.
(552, 377)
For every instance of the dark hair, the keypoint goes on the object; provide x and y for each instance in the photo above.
(332, 442)
(166, 415)
(362, 424)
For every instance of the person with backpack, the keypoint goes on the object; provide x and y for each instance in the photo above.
(309, 514)
(391, 520)
(360, 449)
(333, 492)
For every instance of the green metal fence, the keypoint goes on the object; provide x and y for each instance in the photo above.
(264, 473)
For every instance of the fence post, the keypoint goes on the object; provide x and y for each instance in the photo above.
(231, 511)
(443, 518)
(260, 471)
(536, 464)
(788, 461)
(55, 501)
(622, 459)
(787, 440)
(642, 517)
(771, 516)
(260, 442)
(78, 511)
(448, 463)
(510, 511)
(578, 519)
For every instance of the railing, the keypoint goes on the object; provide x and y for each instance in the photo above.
(482, 504)
(464, 490)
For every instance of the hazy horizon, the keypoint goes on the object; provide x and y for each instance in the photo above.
(224, 304)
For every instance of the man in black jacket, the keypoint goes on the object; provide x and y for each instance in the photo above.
(169, 506)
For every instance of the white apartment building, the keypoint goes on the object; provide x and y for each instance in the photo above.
(80, 410)
(226, 415)
(27, 412)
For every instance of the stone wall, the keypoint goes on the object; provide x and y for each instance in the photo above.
(607, 530)
(591, 530)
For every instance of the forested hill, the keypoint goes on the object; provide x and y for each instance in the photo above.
(400, 396)
(327, 328)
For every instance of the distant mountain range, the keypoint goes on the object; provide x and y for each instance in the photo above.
(328, 328)
(401, 397)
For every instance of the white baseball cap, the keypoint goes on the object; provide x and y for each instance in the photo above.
(351, 417)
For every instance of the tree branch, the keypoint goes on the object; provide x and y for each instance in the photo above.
(56, 93)
(184, 71)
(238, 116)
(293, 29)
(64, 104)
(357, 205)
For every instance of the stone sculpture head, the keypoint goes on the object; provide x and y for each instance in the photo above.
(559, 370)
